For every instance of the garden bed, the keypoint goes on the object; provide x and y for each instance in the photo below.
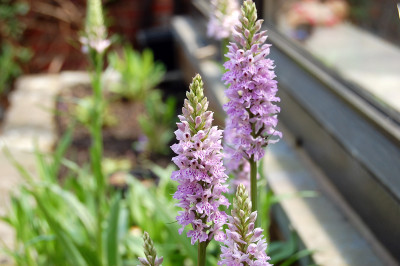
(122, 135)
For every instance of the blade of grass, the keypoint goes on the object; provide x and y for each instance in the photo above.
(43, 167)
(62, 147)
(113, 258)
(76, 207)
(23, 172)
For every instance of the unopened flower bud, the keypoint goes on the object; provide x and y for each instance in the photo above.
(246, 33)
(237, 243)
(151, 258)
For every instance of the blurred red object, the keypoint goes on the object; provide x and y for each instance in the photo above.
(54, 26)
(315, 12)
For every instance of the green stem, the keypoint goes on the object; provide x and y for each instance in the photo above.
(201, 253)
(253, 184)
(96, 150)
(224, 49)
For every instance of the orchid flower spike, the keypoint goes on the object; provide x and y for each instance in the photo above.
(201, 174)
(251, 112)
(224, 16)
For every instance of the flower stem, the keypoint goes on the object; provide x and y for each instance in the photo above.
(224, 49)
(201, 253)
(96, 150)
(253, 184)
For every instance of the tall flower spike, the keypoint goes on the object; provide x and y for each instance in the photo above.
(95, 36)
(252, 114)
(150, 253)
(224, 16)
(244, 244)
(201, 175)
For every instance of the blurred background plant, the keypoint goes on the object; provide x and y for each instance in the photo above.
(12, 53)
(79, 217)
(158, 123)
(84, 109)
(139, 73)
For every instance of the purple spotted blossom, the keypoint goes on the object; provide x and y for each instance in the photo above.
(201, 175)
(252, 114)
(223, 17)
(244, 244)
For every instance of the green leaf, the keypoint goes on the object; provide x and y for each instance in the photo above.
(76, 207)
(282, 250)
(295, 257)
(300, 194)
(40, 238)
(62, 146)
(21, 169)
(43, 167)
(113, 257)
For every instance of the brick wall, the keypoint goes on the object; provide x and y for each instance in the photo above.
(53, 28)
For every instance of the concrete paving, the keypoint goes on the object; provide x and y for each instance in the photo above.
(364, 59)
(324, 223)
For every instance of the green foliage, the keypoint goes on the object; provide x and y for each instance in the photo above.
(10, 10)
(85, 108)
(56, 224)
(139, 77)
(157, 124)
(11, 58)
(139, 73)
(12, 55)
